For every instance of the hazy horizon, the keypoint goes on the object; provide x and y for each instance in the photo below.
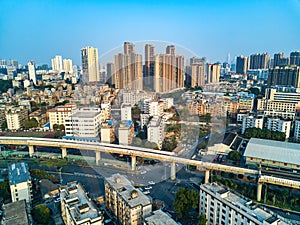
(39, 30)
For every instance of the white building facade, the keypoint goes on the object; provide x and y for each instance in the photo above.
(251, 122)
(20, 182)
(155, 131)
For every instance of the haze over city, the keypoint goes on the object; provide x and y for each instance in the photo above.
(38, 30)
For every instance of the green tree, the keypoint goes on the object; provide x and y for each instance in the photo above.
(41, 214)
(4, 191)
(169, 144)
(4, 125)
(136, 111)
(264, 134)
(205, 118)
(234, 155)
(137, 142)
(151, 145)
(254, 90)
(30, 123)
(5, 85)
(185, 201)
(57, 134)
(58, 127)
(202, 220)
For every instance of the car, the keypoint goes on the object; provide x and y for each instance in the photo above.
(107, 221)
(143, 172)
(146, 192)
(148, 188)
(151, 182)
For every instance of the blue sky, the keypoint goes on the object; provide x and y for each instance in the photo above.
(40, 29)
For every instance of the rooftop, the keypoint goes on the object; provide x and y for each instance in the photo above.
(126, 124)
(158, 217)
(273, 150)
(15, 213)
(18, 173)
(85, 114)
(155, 121)
(127, 191)
(80, 206)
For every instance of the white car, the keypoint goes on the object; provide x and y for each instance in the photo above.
(148, 188)
(143, 172)
(151, 182)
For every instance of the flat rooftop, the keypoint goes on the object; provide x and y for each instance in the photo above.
(158, 217)
(81, 207)
(155, 121)
(15, 213)
(18, 173)
(85, 114)
(125, 190)
(242, 203)
(278, 151)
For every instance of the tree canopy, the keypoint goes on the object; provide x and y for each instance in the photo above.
(30, 123)
(169, 144)
(4, 191)
(58, 127)
(234, 155)
(202, 220)
(4, 125)
(185, 201)
(41, 214)
(5, 85)
(264, 134)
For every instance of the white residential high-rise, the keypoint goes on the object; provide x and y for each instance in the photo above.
(59, 114)
(31, 71)
(77, 206)
(57, 63)
(126, 202)
(85, 123)
(20, 182)
(90, 64)
(125, 132)
(222, 206)
(107, 133)
(155, 131)
(15, 117)
(126, 112)
(156, 108)
(297, 130)
(251, 122)
(68, 65)
(276, 124)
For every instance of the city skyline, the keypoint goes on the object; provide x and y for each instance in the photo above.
(210, 29)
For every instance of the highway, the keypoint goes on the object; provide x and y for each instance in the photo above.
(132, 151)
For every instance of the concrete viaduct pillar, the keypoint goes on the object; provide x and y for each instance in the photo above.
(173, 171)
(259, 190)
(98, 156)
(31, 150)
(133, 162)
(207, 174)
(63, 152)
